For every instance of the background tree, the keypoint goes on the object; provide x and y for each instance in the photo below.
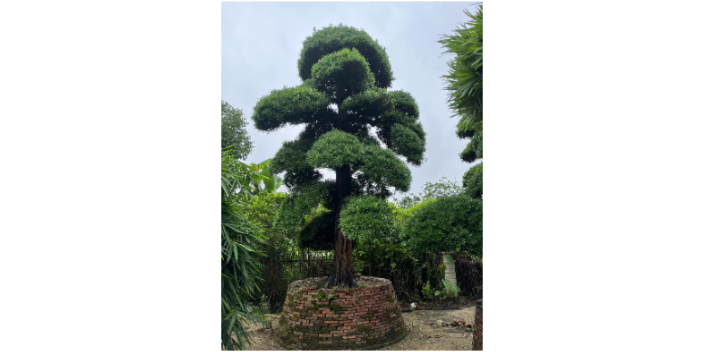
(233, 132)
(353, 126)
(465, 85)
(401, 215)
(431, 190)
(271, 182)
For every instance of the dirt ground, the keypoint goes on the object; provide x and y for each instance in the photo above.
(423, 335)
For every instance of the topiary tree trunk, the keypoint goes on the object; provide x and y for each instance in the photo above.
(344, 272)
(348, 114)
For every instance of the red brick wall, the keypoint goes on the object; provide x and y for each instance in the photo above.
(331, 319)
(478, 339)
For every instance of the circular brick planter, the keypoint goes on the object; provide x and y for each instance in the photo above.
(478, 339)
(366, 317)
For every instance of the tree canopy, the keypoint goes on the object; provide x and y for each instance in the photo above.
(233, 132)
(431, 190)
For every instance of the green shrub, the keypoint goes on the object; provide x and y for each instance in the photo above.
(426, 291)
(450, 224)
(450, 290)
(241, 240)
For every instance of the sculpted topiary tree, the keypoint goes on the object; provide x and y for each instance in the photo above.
(353, 126)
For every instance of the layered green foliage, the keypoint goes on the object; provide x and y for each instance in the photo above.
(342, 74)
(450, 224)
(291, 158)
(240, 241)
(403, 134)
(335, 38)
(290, 106)
(472, 182)
(407, 143)
(381, 167)
(369, 105)
(302, 201)
(233, 132)
(359, 139)
(405, 103)
(477, 144)
(474, 149)
(334, 150)
(319, 232)
(368, 219)
(468, 154)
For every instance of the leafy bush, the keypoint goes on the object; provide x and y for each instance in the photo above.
(450, 290)
(478, 291)
(240, 242)
(450, 224)
(472, 181)
(401, 215)
(368, 219)
(427, 293)
(406, 270)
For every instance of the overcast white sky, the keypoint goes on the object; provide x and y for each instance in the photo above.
(261, 42)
